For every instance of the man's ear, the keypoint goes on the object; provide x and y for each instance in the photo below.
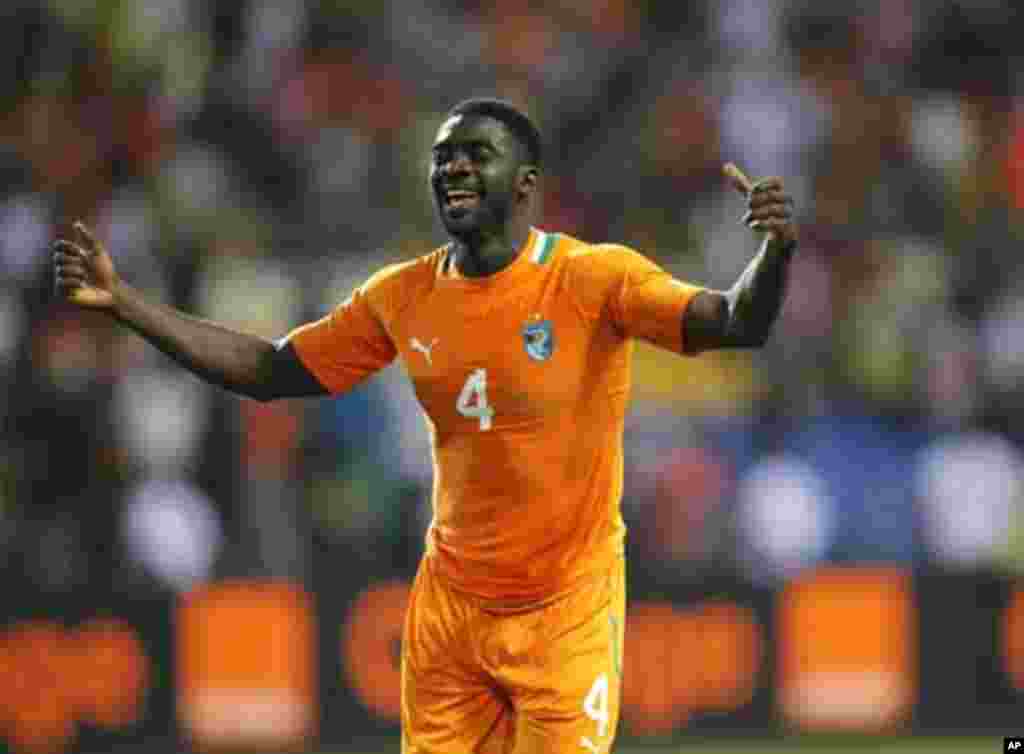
(529, 177)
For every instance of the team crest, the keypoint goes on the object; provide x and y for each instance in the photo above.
(539, 339)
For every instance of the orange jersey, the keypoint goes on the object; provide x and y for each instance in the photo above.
(523, 376)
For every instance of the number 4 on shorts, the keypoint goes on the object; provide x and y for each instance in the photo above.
(595, 705)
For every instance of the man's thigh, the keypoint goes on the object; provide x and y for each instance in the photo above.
(449, 706)
(454, 718)
(566, 689)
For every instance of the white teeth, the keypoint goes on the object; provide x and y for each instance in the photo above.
(459, 197)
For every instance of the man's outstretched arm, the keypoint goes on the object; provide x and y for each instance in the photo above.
(742, 317)
(246, 364)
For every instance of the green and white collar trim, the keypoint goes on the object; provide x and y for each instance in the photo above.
(542, 246)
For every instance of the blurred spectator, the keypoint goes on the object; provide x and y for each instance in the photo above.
(171, 529)
(971, 490)
(786, 518)
(161, 417)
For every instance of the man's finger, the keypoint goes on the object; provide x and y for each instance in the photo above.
(771, 224)
(69, 264)
(769, 196)
(66, 279)
(765, 211)
(66, 256)
(738, 178)
(767, 184)
(63, 284)
(68, 247)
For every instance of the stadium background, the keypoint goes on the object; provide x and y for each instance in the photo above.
(827, 537)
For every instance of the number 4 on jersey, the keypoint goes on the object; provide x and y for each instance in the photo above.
(472, 401)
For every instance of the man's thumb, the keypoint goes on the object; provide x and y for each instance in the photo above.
(738, 178)
(86, 237)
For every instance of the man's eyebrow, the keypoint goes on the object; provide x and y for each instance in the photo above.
(472, 143)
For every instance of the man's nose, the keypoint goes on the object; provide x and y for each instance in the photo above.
(459, 163)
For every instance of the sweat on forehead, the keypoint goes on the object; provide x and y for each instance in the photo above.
(463, 130)
(469, 121)
(449, 124)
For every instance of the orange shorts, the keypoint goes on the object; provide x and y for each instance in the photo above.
(540, 679)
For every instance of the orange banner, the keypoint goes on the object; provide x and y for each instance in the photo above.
(55, 678)
(847, 649)
(247, 666)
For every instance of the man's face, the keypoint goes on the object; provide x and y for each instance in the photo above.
(475, 171)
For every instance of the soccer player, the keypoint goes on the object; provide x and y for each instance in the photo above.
(518, 342)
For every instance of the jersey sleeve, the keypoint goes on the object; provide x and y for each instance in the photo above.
(640, 298)
(349, 344)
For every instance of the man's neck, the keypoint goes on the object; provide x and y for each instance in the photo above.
(482, 256)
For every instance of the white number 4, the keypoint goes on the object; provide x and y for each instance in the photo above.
(472, 401)
(596, 704)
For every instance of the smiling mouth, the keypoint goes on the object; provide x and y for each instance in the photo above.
(460, 199)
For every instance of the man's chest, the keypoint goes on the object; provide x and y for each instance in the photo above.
(521, 360)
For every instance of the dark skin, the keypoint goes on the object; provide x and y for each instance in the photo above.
(742, 317)
(480, 156)
(486, 192)
(243, 363)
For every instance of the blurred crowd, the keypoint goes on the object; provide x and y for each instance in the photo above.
(252, 161)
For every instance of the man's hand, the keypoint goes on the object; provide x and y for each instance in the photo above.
(742, 316)
(83, 271)
(770, 208)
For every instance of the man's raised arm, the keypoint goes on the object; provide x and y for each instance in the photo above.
(742, 317)
(255, 367)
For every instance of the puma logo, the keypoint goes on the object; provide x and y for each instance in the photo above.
(417, 345)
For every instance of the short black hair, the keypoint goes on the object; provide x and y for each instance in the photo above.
(514, 119)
